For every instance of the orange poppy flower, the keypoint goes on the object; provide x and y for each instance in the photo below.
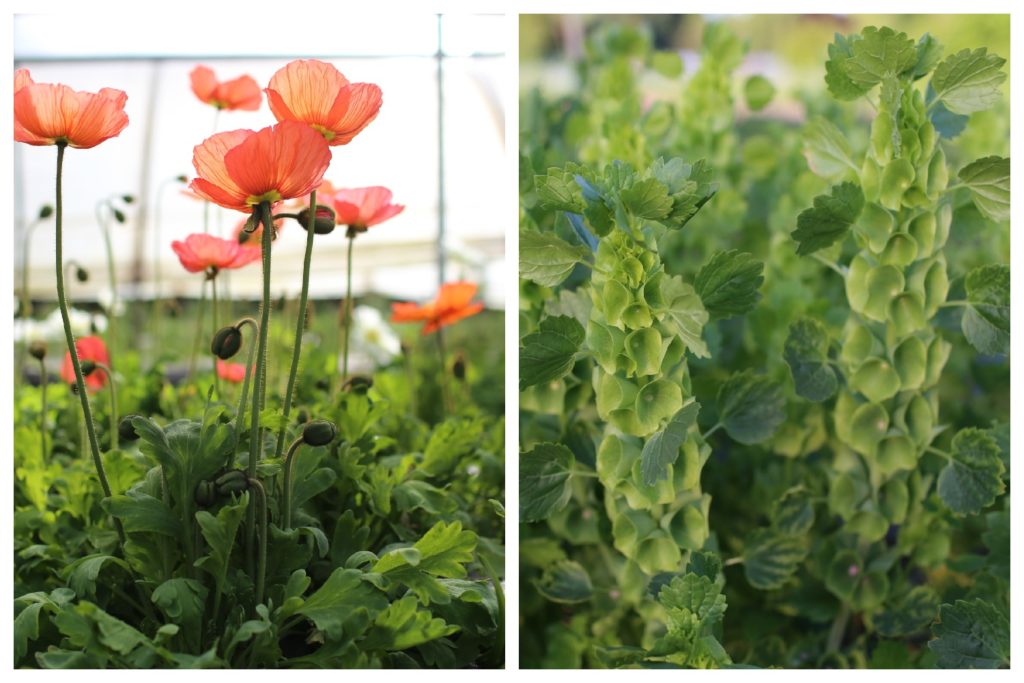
(200, 251)
(241, 168)
(46, 114)
(89, 348)
(361, 207)
(232, 372)
(317, 94)
(451, 305)
(239, 93)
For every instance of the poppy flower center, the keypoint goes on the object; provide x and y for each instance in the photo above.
(326, 132)
(270, 196)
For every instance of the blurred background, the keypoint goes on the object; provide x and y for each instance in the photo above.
(438, 144)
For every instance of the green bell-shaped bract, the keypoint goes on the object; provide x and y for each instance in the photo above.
(938, 354)
(895, 453)
(919, 419)
(900, 251)
(897, 177)
(906, 314)
(877, 225)
(868, 425)
(911, 362)
(858, 344)
(884, 283)
(876, 379)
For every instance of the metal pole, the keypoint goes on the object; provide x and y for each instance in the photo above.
(440, 157)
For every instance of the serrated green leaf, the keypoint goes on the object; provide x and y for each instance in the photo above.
(826, 149)
(806, 353)
(647, 199)
(404, 625)
(686, 314)
(988, 179)
(986, 319)
(662, 449)
(728, 284)
(971, 634)
(220, 533)
(181, 601)
(443, 551)
(546, 259)
(839, 83)
(829, 219)
(340, 599)
(771, 558)
(544, 473)
(140, 513)
(565, 582)
(880, 54)
(694, 595)
(558, 191)
(751, 407)
(972, 479)
(929, 52)
(550, 352)
(793, 513)
(969, 80)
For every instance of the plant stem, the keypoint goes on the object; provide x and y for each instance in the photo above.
(499, 594)
(835, 634)
(261, 571)
(240, 415)
(213, 297)
(42, 413)
(711, 431)
(289, 461)
(199, 332)
(348, 307)
(446, 394)
(114, 444)
(259, 386)
(112, 277)
(733, 561)
(300, 324)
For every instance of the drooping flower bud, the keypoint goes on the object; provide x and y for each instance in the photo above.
(323, 223)
(459, 367)
(45, 211)
(181, 178)
(233, 481)
(81, 274)
(125, 428)
(127, 198)
(226, 342)
(319, 433)
(37, 349)
(119, 216)
(358, 384)
(88, 367)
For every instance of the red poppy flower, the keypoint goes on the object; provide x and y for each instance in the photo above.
(239, 93)
(361, 207)
(46, 114)
(232, 372)
(254, 240)
(200, 251)
(89, 348)
(451, 305)
(241, 168)
(317, 94)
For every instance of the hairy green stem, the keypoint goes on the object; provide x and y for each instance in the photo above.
(348, 306)
(300, 324)
(112, 277)
(43, 433)
(289, 461)
(240, 416)
(261, 570)
(213, 301)
(114, 434)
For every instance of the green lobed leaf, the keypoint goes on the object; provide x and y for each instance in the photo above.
(793, 513)
(662, 449)
(826, 149)
(751, 407)
(565, 582)
(881, 53)
(909, 614)
(770, 559)
(141, 513)
(544, 473)
(340, 599)
(549, 353)
(988, 179)
(647, 199)
(986, 319)
(806, 353)
(220, 533)
(972, 479)
(839, 83)
(558, 191)
(546, 259)
(404, 625)
(929, 52)
(830, 218)
(685, 314)
(181, 601)
(971, 634)
(727, 284)
(695, 595)
(969, 80)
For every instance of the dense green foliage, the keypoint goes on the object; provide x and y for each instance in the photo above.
(765, 410)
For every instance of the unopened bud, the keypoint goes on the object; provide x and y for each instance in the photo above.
(37, 349)
(459, 367)
(126, 430)
(81, 274)
(45, 212)
(119, 215)
(127, 198)
(88, 367)
(319, 433)
(181, 178)
(323, 223)
(226, 342)
(252, 222)
(358, 384)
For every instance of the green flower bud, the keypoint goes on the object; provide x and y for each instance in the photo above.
(319, 433)
(125, 428)
(88, 367)
(37, 349)
(81, 274)
(119, 216)
(226, 342)
(358, 384)
(205, 494)
(127, 198)
(45, 211)
(323, 223)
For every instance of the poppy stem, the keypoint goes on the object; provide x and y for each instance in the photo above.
(259, 386)
(446, 396)
(300, 324)
(114, 434)
(289, 460)
(213, 296)
(240, 416)
(112, 277)
(199, 332)
(261, 571)
(83, 395)
(42, 413)
(348, 307)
